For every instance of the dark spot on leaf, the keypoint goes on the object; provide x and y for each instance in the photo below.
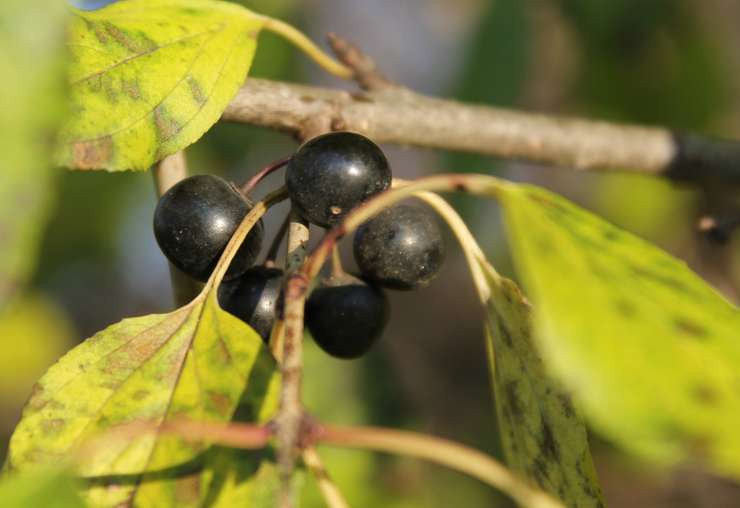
(305, 99)
(165, 124)
(612, 235)
(131, 88)
(664, 280)
(221, 402)
(53, 425)
(705, 395)
(196, 91)
(548, 445)
(567, 405)
(122, 38)
(688, 327)
(98, 30)
(539, 472)
(92, 154)
(506, 334)
(625, 308)
(512, 398)
(187, 490)
(543, 245)
(140, 394)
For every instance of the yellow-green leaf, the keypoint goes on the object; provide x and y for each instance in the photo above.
(150, 77)
(220, 477)
(648, 348)
(31, 95)
(543, 436)
(47, 488)
(194, 363)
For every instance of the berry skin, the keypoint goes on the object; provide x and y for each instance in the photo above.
(194, 221)
(331, 174)
(400, 248)
(254, 297)
(346, 316)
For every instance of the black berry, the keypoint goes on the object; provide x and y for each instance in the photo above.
(400, 248)
(346, 316)
(333, 173)
(254, 298)
(194, 221)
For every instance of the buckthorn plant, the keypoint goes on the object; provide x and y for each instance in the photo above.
(290, 278)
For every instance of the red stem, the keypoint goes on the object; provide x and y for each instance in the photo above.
(261, 174)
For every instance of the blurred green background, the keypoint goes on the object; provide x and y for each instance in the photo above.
(666, 62)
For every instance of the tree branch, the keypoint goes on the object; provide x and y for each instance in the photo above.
(398, 115)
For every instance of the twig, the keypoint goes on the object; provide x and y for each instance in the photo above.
(398, 115)
(366, 73)
(718, 229)
(290, 414)
(329, 490)
(440, 451)
(167, 173)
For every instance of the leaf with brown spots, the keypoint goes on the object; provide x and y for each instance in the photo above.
(104, 403)
(31, 97)
(150, 77)
(648, 349)
(543, 437)
(190, 364)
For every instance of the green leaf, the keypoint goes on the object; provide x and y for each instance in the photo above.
(647, 347)
(150, 77)
(31, 96)
(47, 488)
(543, 436)
(195, 363)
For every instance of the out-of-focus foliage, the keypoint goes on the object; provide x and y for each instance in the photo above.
(31, 90)
(646, 62)
(47, 488)
(34, 333)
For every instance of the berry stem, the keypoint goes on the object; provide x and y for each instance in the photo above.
(472, 183)
(254, 215)
(329, 490)
(440, 451)
(472, 251)
(272, 252)
(336, 263)
(306, 45)
(261, 174)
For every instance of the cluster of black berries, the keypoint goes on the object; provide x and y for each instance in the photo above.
(400, 248)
